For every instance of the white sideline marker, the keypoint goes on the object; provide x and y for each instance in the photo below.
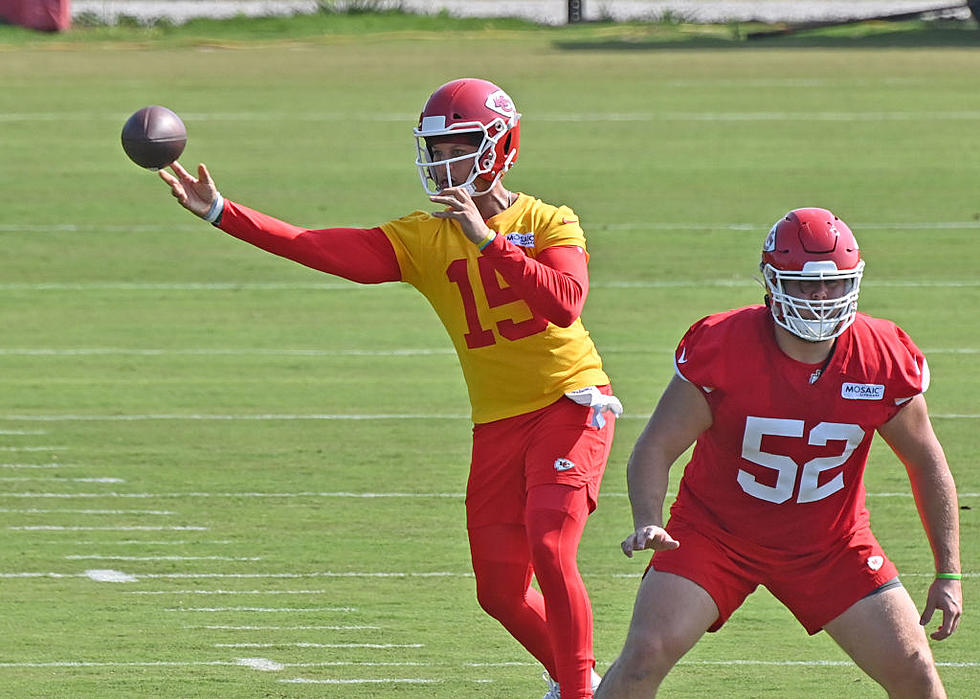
(108, 575)
(263, 664)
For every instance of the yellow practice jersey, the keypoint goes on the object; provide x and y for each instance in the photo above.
(513, 361)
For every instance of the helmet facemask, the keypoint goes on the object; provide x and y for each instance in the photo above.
(813, 320)
(484, 157)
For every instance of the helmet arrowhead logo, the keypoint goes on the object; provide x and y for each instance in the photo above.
(499, 102)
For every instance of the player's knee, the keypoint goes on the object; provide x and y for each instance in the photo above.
(546, 553)
(648, 656)
(914, 676)
(498, 601)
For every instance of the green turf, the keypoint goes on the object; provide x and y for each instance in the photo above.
(209, 378)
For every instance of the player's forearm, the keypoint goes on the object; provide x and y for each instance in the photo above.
(554, 286)
(910, 435)
(680, 416)
(935, 498)
(646, 480)
(361, 255)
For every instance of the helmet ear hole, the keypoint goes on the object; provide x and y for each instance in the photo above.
(507, 142)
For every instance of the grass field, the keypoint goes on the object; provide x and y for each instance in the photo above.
(274, 459)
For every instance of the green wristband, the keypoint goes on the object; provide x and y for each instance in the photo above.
(486, 241)
(949, 576)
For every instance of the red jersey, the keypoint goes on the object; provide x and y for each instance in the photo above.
(782, 465)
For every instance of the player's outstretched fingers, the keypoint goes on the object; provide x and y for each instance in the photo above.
(181, 172)
(176, 189)
(203, 176)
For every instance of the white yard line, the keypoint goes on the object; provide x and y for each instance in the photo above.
(4, 448)
(36, 466)
(62, 480)
(73, 528)
(225, 592)
(60, 511)
(220, 627)
(368, 496)
(317, 353)
(265, 610)
(387, 575)
(370, 646)
(100, 557)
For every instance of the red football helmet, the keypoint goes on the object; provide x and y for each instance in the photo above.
(475, 107)
(812, 245)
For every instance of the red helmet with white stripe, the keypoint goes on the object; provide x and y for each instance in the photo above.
(812, 245)
(477, 111)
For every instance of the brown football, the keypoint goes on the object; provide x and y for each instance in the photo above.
(154, 137)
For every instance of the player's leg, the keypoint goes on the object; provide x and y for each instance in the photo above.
(881, 633)
(498, 541)
(502, 568)
(563, 469)
(556, 516)
(670, 615)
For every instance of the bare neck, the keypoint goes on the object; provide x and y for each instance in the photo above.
(802, 350)
(494, 201)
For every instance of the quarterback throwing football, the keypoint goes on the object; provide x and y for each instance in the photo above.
(507, 275)
(782, 402)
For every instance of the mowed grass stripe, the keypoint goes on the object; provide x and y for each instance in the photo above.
(581, 117)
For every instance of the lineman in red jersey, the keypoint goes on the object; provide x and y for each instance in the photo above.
(507, 275)
(782, 403)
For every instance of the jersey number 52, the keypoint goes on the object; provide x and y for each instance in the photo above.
(787, 469)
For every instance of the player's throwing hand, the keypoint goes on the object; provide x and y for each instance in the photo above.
(461, 208)
(194, 194)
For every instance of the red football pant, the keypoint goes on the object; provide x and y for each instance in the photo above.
(505, 556)
(533, 481)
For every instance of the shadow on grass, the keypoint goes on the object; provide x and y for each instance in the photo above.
(867, 35)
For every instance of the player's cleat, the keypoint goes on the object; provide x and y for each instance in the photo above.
(554, 691)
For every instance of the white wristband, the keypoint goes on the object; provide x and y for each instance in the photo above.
(217, 206)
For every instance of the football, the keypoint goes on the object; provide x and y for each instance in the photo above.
(154, 137)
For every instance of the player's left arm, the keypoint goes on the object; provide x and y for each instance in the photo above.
(910, 435)
(554, 285)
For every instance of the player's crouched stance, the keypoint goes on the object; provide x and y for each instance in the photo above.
(507, 275)
(783, 403)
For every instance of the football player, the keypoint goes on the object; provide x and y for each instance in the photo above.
(782, 401)
(507, 275)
